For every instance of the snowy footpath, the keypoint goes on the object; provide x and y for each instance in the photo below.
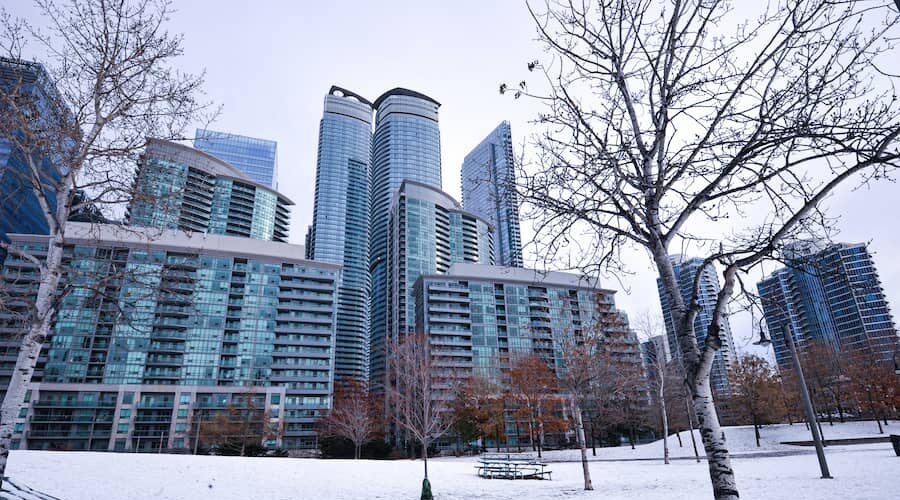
(868, 471)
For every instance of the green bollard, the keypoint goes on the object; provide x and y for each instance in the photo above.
(426, 490)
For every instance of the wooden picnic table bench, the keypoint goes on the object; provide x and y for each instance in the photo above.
(496, 466)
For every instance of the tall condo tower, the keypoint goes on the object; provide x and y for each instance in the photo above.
(20, 209)
(340, 230)
(685, 270)
(256, 158)
(828, 294)
(179, 187)
(406, 146)
(488, 190)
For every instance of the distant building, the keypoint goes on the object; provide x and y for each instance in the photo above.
(340, 229)
(488, 190)
(428, 233)
(406, 145)
(20, 210)
(178, 187)
(654, 347)
(162, 327)
(686, 269)
(256, 158)
(829, 294)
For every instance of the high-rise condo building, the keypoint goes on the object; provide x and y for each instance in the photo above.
(686, 269)
(340, 229)
(29, 85)
(828, 294)
(256, 158)
(481, 319)
(163, 328)
(406, 146)
(488, 190)
(178, 187)
(428, 232)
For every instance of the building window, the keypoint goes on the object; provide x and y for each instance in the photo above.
(123, 428)
(276, 399)
(180, 427)
(23, 412)
(179, 443)
(20, 427)
(128, 398)
(185, 398)
(120, 444)
(182, 413)
(125, 413)
(14, 444)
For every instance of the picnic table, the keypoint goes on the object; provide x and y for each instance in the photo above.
(506, 466)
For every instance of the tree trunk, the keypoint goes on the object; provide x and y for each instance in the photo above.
(579, 433)
(631, 435)
(678, 435)
(540, 446)
(720, 471)
(756, 429)
(30, 349)
(698, 365)
(665, 422)
(691, 425)
(425, 456)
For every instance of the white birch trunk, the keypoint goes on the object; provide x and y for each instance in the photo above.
(579, 433)
(698, 365)
(33, 341)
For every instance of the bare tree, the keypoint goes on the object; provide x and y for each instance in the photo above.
(663, 123)
(756, 394)
(658, 372)
(533, 386)
(109, 62)
(353, 416)
(423, 409)
(875, 386)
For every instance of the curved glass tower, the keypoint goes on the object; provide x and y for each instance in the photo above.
(406, 146)
(179, 187)
(340, 229)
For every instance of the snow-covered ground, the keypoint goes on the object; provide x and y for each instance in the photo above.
(740, 441)
(861, 472)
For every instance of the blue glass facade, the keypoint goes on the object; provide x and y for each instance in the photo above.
(20, 211)
(828, 294)
(686, 270)
(340, 228)
(428, 232)
(186, 311)
(256, 158)
(406, 146)
(178, 187)
(488, 190)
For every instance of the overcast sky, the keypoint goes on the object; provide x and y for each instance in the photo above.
(270, 64)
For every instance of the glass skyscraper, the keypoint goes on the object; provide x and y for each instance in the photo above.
(178, 187)
(256, 158)
(685, 271)
(340, 228)
(828, 294)
(406, 146)
(20, 210)
(428, 232)
(488, 190)
(160, 326)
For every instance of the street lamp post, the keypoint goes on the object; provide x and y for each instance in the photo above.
(804, 395)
